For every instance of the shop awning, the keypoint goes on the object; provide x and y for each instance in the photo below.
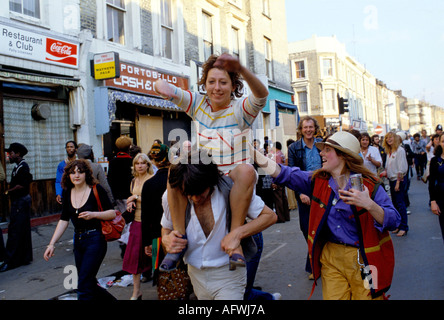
(289, 113)
(33, 79)
(105, 101)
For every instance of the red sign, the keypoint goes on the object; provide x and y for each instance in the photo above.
(61, 52)
(141, 79)
(379, 129)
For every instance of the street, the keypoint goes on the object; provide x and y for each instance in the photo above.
(419, 262)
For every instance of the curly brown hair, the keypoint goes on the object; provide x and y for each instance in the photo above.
(83, 166)
(234, 76)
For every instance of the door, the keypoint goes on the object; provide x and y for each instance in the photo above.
(148, 129)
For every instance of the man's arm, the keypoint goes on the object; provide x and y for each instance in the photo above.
(172, 241)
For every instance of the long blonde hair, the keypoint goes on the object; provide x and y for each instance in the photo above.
(150, 170)
(396, 143)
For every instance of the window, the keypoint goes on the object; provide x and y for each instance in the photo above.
(27, 7)
(302, 99)
(327, 67)
(115, 10)
(167, 29)
(268, 58)
(207, 35)
(266, 7)
(300, 69)
(329, 99)
(235, 39)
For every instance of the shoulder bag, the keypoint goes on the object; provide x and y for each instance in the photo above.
(111, 229)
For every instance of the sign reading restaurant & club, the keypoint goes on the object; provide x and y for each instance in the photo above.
(141, 79)
(34, 46)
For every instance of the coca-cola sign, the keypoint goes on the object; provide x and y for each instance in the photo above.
(24, 44)
(61, 52)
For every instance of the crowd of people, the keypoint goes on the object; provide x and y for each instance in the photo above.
(204, 208)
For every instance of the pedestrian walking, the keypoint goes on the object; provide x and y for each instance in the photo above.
(90, 246)
(376, 142)
(279, 195)
(436, 182)
(419, 149)
(224, 122)
(135, 261)
(372, 157)
(305, 155)
(18, 249)
(71, 154)
(152, 209)
(119, 173)
(396, 172)
(348, 228)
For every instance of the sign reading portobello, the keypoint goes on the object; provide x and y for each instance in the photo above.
(141, 79)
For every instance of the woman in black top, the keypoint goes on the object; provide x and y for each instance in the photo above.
(80, 206)
(152, 209)
(436, 182)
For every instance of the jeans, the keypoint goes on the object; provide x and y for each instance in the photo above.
(398, 199)
(252, 265)
(89, 251)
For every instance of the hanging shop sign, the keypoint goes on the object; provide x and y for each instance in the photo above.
(141, 79)
(105, 66)
(29, 45)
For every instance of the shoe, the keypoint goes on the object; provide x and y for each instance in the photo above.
(136, 298)
(171, 260)
(237, 260)
(311, 277)
(276, 296)
(401, 233)
(4, 267)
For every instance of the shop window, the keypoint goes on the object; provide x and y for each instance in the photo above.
(45, 139)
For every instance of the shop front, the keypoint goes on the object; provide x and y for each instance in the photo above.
(38, 100)
(128, 105)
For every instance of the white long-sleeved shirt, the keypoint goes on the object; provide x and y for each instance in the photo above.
(396, 163)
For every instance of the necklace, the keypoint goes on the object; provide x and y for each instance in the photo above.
(77, 207)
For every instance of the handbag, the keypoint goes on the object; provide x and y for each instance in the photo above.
(111, 229)
(174, 285)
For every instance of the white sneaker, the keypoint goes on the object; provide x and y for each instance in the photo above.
(276, 296)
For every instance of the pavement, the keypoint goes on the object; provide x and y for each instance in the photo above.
(418, 270)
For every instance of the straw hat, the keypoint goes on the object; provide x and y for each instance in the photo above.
(345, 142)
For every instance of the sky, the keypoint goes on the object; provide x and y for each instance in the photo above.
(400, 42)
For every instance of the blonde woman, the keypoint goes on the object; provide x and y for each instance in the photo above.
(396, 170)
(135, 261)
